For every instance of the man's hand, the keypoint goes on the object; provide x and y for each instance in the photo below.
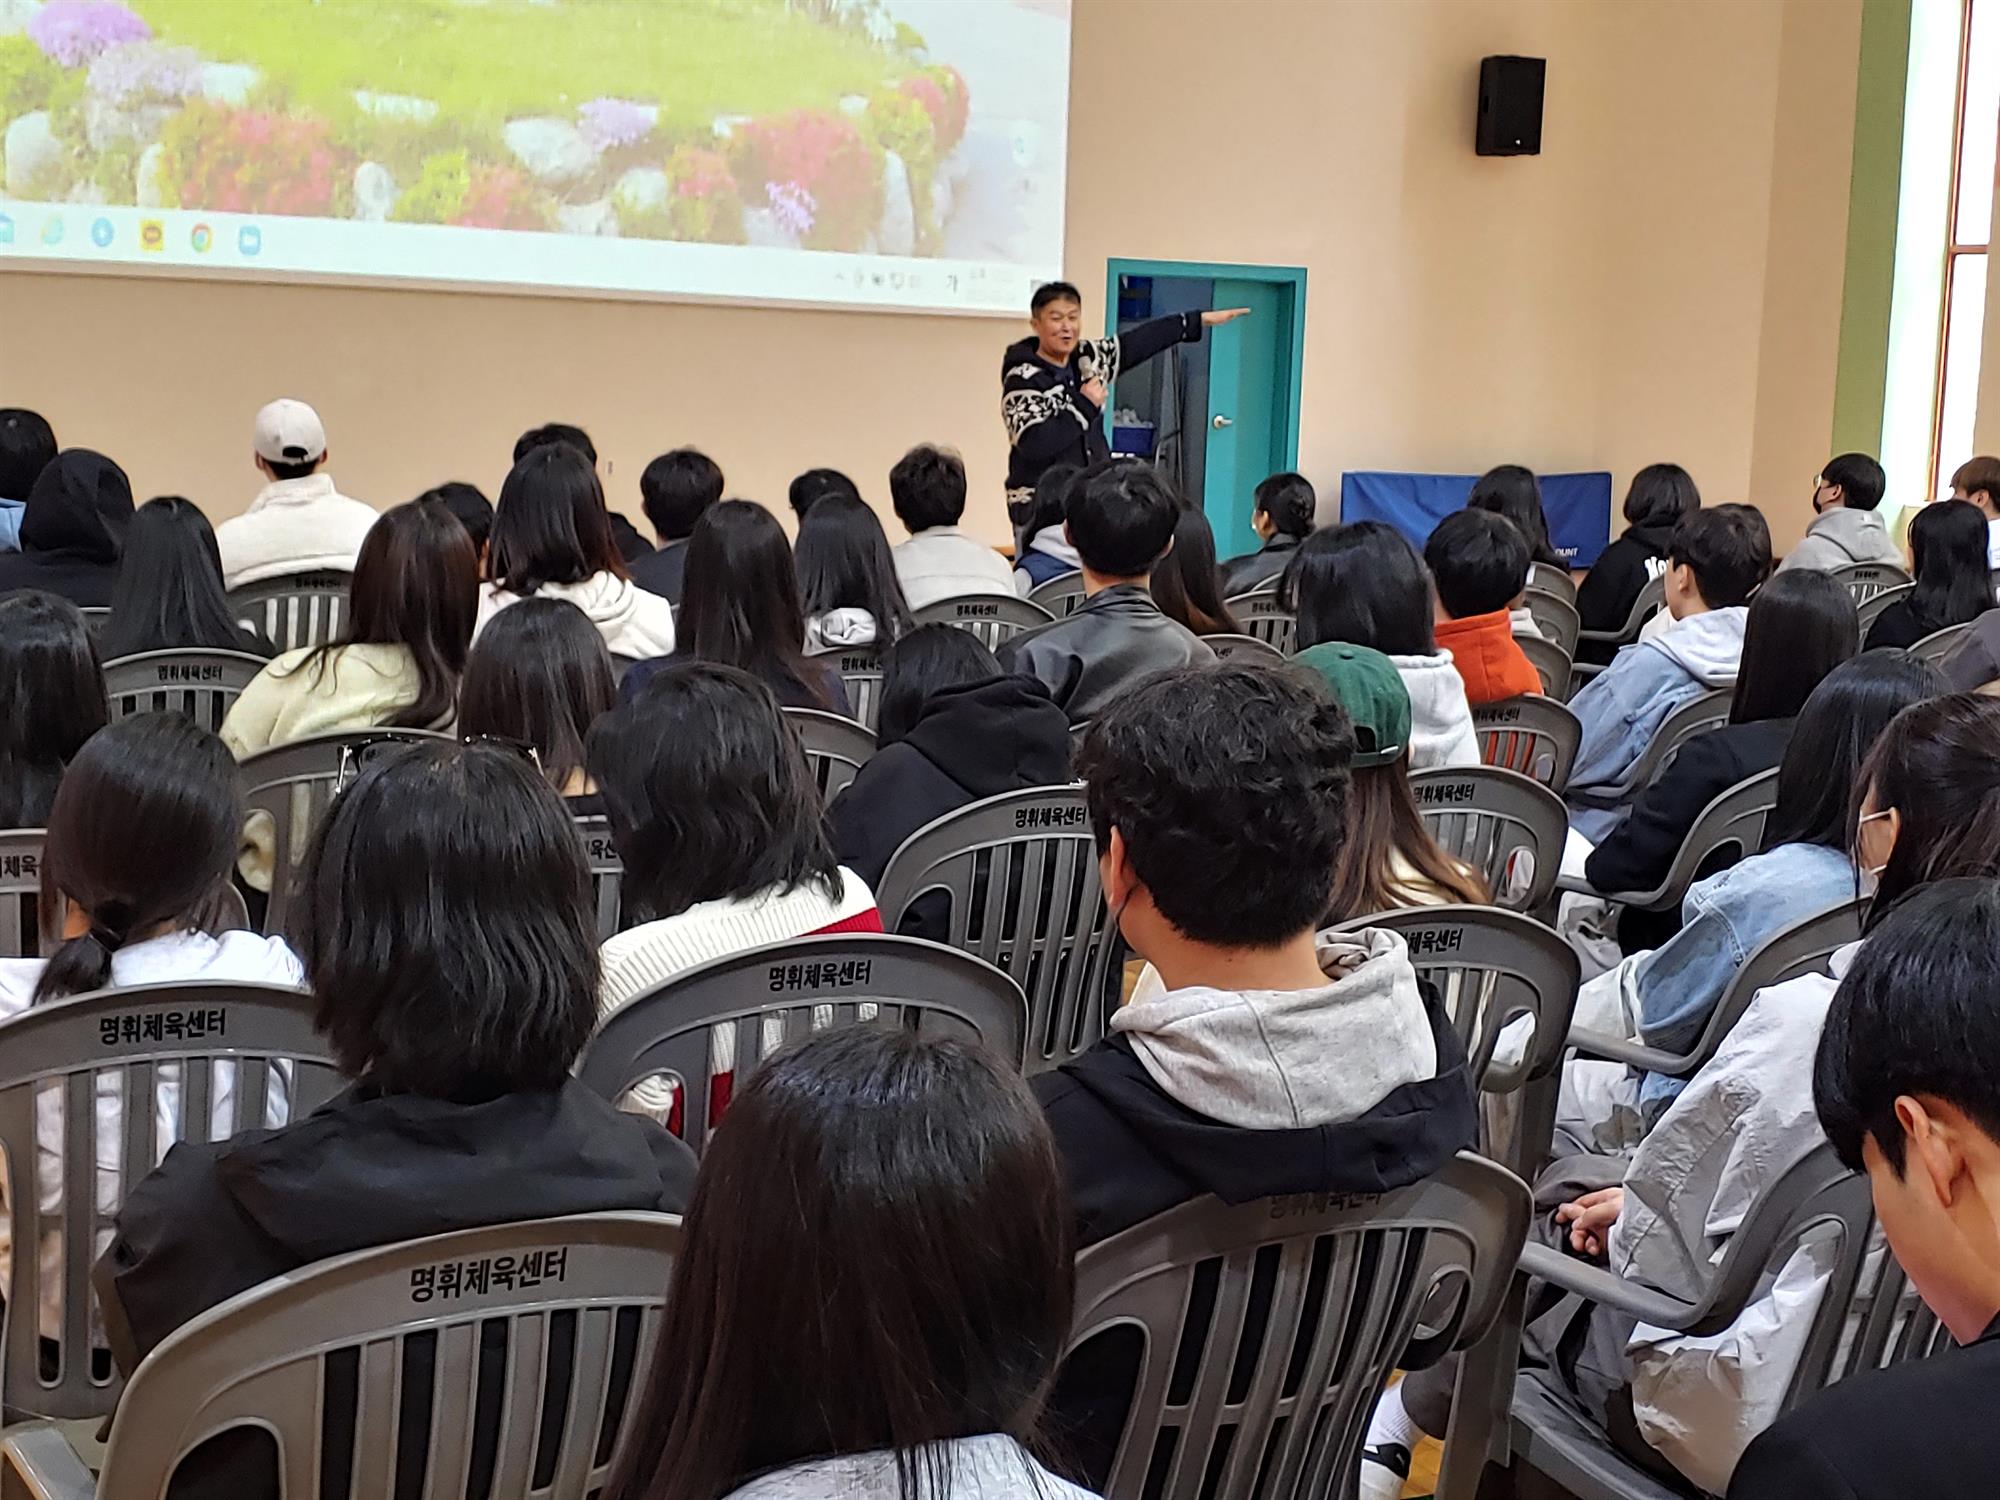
(1590, 1219)
(1223, 315)
(1093, 391)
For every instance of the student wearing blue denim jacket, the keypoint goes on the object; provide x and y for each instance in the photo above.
(27, 446)
(1716, 561)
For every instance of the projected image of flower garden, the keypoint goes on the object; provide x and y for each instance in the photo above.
(820, 125)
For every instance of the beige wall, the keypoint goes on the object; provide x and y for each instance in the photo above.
(1662, 282)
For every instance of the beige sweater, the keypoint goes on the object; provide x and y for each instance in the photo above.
(357, 687)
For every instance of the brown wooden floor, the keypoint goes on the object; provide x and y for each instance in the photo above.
(1424, 1469)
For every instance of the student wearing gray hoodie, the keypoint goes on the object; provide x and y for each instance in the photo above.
(1846, 526)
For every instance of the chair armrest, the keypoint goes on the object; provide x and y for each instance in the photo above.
(1579, 885)
(41, 1460)
(1594, 1282)
(1602, 1044)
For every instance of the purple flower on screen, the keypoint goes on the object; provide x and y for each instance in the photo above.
(75, 32)
(135, 72)
(793, 207)
(609, 124)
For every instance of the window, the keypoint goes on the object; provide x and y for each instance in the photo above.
(1976, 133)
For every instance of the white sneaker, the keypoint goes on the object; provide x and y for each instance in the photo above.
(1385, 1469)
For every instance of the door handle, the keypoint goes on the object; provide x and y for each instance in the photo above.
(1222, 422)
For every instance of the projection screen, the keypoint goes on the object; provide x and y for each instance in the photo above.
(895, 154)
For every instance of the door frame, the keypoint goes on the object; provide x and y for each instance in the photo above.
(1291, 277)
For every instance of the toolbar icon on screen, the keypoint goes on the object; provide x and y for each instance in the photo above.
(201, 237)
(152, 236)
(249, 239)
(52, 230)
(100, 232)
(6, 230)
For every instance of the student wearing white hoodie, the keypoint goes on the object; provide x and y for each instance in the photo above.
(552, 538)
(299, 523)
(1363, 584)
(1718, 558)
(1847, 527)
(847, 577)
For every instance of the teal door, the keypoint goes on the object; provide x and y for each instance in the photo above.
(1250, 431)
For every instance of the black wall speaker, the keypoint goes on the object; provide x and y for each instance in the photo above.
(1510, 106)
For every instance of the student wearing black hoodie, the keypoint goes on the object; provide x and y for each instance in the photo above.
(1278, 1059)
(72, 531)
(1661, 497)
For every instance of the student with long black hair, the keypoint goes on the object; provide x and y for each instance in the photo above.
(54, 696)
(1948, 558)
(874, 1290)
(848, 584)
(540, 676)
(1187, 584)
(1513, 491)
(1659, 498)
(169, 595)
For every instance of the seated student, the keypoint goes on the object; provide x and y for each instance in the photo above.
(1479, 563)
(1660, 497)
(299, 523)
(813, 485)
(1389, 858)
(627, 538)
(1121, 520)
(1664, 997)
(552, 539)
(1041, 544)
(952, 729)
(540, 676)
(1513, 491)
(1977, 481)
(742, 609)
(169, 595)
(1904, 1087)
(1186, 584)
(458, 1022)
(1718, 559)
(1847, 527)
(469, 503)
(1281, 512)
(72, 530)
(54, 692)
(675, 490)
(1278, 1059)
(873, 1291)
(927, 489)
(27, 446)
(1800, 626)
(848, 584)
(1362, 584)
(1954, 580)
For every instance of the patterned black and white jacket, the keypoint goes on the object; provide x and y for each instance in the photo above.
(1049, 420)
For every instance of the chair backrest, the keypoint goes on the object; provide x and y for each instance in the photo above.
(1020, 873)
(1270, 1328)
(1704, 711)
(200, 684)
(1864, 580)
(560, 1315)
(1244, 650)
(1732, 823)
(21, 892)
(95, 618)
(1805, 947)
(302, 609)
(994, 618)
(779, 993)
(1061, 595)
(153, 1043)
(1650, 601)
(1868, 609)
(1537, 737)
(294, 785)
(1555, 617)
(1506, 826)
(1263, 617)
(1936, 646)
(607, 875)
(1551, 663)
(836, 747)
(1547, 578)
(860, 669)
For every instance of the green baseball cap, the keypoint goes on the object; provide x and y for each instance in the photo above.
(1370, 688)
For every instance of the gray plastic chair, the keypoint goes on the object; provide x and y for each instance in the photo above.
(1547, 578)
(95, 618)
(1735, 819)
(1551, 663)
(1652, 599)
(1269, 1394)
(1263, 616)
(1869, 609)
(200, 684)
(1555, 617)
(1020, 873)
(836, 747)
(1936, 646)
(768, 996)
(301, 609)
(294, 785)
(124, 1037)
(1061, 595)
(1815, 1196)
(1506, 826)
(1244, 650)
(994, 618)
(21, 894)
(620, 665)
(1866, 580)
(573, 1296)
(860, 669)
(1537, 737)
(607, 875)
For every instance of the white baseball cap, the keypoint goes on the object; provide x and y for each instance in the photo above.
(289, 432)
